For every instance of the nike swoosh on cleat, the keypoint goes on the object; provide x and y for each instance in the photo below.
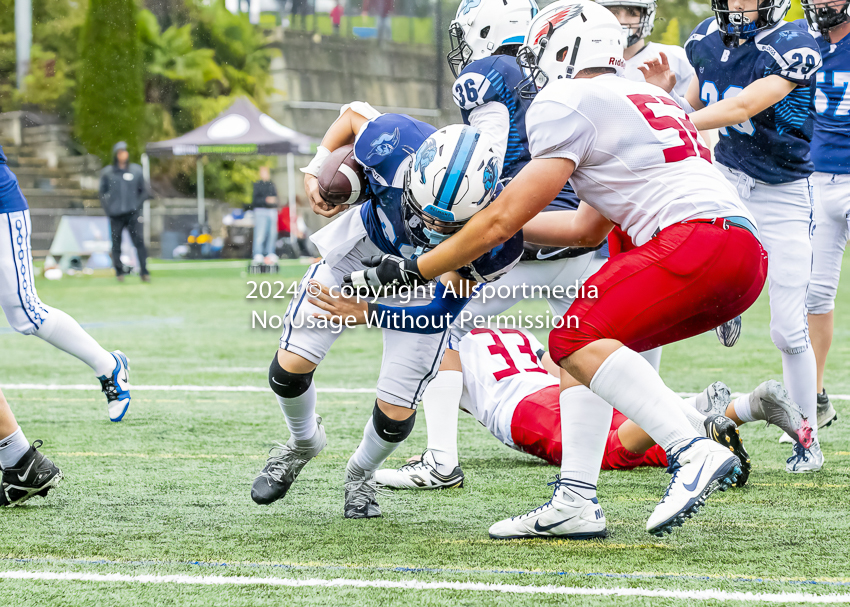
(538, 527)
(693, 485)
(22, 477)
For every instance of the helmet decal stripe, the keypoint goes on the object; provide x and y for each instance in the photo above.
(456, 169)
(514, 40)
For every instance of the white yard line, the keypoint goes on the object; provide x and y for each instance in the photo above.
(220, 580)
(191, 388)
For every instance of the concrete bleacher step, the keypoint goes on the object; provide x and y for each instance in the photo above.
(59, 193)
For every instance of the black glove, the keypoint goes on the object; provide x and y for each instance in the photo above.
(385, 271)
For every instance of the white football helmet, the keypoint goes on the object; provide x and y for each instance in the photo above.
(453, 175)
(566, 38)
(482, 27)
(635, 33)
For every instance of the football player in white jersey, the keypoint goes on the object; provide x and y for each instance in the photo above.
(510, 387)
(755, 82)
(631, 153)
(638, 18)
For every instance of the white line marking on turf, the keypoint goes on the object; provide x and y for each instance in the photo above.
(142, 388)
(218, 580)
(190, 388)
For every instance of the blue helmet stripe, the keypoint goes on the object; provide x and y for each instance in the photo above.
(514, 40)
(456, 169)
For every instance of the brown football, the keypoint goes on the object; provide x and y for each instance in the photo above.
(341, 178)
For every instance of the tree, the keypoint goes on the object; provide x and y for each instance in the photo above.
(110, 92)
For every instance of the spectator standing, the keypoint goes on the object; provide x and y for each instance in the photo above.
(336, 17)
(382, 9)
(122, 193)
(264, 204)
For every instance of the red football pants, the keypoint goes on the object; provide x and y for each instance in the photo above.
(689, 279)
(536, 430)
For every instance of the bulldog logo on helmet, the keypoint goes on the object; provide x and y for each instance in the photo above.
(467, 5)
(384, 144)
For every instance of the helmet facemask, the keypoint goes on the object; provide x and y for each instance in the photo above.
(423, 229)
(535, 78)
(461, 54)
(824, 16)
(737, 25)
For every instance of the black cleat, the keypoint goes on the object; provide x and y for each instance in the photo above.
(33, 475)
(285, 464)
(723, 430)
(360, 492)
(826, 412)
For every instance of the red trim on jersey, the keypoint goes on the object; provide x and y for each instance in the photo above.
(687, 280)
(536, 430)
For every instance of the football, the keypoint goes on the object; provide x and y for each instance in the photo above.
(341, 178)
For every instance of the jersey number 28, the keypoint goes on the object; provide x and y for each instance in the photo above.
(691, 144)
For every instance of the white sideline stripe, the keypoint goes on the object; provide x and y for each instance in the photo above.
(704, 595)
(142, 388)
(190, 388)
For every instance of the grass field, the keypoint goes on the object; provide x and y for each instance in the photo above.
(166, 492)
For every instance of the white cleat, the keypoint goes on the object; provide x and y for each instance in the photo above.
(116, 387)
(699, 468)
(714, 400)
(421, 474)
(729, 332)
(567, 516)
(805, 460)
(770, 402)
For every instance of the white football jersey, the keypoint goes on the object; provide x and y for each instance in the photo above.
(500, 368)
(639, 160)
(676, 57)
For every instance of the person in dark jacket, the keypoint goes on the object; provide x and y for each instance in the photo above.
(264, 204)
(122, 193)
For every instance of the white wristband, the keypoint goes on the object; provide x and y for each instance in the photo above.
(682, 102)
(318, 160)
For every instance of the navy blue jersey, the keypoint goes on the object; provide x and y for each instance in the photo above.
(11, 197)
(385, 147)
(831, 139)
(772, 146)
(495, 79)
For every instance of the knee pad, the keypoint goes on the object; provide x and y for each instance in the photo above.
(391, 430)
(286, 384)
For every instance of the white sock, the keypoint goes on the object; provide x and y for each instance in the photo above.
(799, 373)
(585, 423)
(300, 413)
(440, 404)
(742, 408)
(653, 357)
(13, 448)
(372, 450)
(632, 386)
(690, 401)
(695, 418)
(65, 333)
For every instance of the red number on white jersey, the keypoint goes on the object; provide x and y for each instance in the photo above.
(691, 145)
(499, 349)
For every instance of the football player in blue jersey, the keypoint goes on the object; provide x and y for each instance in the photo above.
(755, 82)
(28, 315)
(424, 185)
(26, 472)
(830, 24)
(485, 36)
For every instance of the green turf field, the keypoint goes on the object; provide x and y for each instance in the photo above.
(166, 492)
